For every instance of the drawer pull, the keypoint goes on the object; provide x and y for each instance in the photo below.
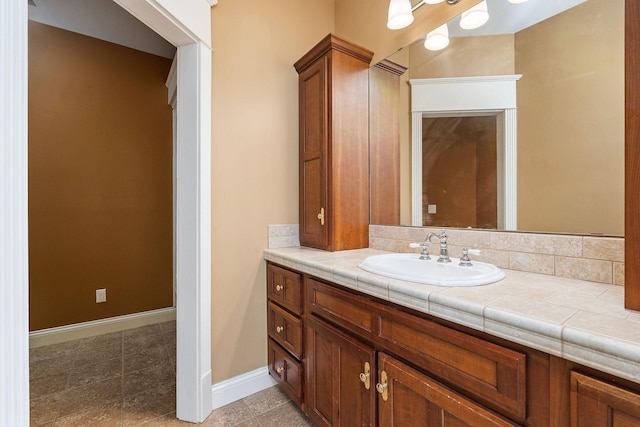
(365, 376)
(279, 329)
(382, 386)
(280, 369)
(279, 288)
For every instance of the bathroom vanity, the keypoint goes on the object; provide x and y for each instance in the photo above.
(354, 348)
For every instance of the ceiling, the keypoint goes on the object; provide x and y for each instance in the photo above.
(510, 18)
(101, 19)
(106, 20)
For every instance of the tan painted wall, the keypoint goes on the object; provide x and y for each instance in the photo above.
(255, 144)
(571, 121)
(100, 203)
(254, 160)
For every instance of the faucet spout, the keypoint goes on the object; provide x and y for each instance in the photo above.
(444, 251)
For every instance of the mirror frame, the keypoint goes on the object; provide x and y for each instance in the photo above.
(632, 155)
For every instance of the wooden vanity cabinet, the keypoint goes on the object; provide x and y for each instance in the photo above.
(334, 145)
(284, 328)
(595, 403)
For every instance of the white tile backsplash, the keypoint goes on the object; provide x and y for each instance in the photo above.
(596, 259)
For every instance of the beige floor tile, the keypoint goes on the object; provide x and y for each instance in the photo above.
(107, 415)
(149, 405)
(82, 398)
(266, 400)
(43, 367)
(144, 379)
(43, 410)
(285, 415)
(48, 384)
(229, 415)
(168, 420)
(146, 358)
(97, 372)
(87, 355)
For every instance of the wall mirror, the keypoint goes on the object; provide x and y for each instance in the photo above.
(569, 116)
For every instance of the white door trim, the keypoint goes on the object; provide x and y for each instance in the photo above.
(14, 252)
(186, 24)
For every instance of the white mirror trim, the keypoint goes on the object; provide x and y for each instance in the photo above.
(469, 95)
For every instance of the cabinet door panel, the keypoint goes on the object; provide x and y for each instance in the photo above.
(599, 404)
(313, 155)
(415, 399)
(335, 394)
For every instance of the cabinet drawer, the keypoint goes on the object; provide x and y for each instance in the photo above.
(488, 372)
(284, 287)
(285, 328)
(286, 371)
(340, 307)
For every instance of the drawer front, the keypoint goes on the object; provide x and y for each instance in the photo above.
(286, 371)
(490, 373)
(340, 307)
(285, 328)
(285, 288)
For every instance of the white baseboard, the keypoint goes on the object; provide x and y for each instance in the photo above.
(239, 387)
(98, 327)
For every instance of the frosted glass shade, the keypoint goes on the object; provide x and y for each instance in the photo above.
(475, 17)
(437, 39)
(400, 14)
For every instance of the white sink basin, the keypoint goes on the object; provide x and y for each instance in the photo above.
(411, 268)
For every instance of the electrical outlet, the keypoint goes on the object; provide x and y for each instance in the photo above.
(101, 295)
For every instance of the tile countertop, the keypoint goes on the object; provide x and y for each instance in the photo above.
(584, 322)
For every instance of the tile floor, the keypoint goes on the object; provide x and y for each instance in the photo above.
(128, 379)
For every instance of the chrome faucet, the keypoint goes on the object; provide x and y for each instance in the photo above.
(444, 252)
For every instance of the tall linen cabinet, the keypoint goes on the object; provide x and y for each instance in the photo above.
(334, 145)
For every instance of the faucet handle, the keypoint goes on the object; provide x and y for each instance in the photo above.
(465, 261)
(425, 249)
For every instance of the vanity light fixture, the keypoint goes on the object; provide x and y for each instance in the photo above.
(437, 39)
(401, 12)
(475, 17)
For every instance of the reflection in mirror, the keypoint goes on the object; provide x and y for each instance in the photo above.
(570, 113)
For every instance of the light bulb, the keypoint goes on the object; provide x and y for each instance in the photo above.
(400, 14)
(437, 39)
(475, 17)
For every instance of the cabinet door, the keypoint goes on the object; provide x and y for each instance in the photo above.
(598, 404)
(409, 398)
(313, 155)
(337, 393)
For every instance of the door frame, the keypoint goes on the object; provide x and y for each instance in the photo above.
(186, 25)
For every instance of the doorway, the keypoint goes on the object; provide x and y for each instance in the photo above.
(459, 172)
(187, 27)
